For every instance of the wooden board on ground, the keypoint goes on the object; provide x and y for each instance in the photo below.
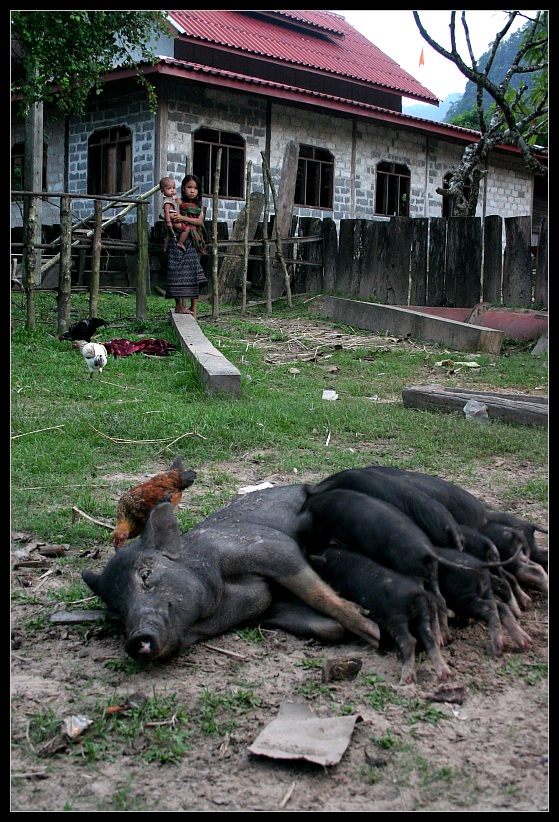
(523, 409)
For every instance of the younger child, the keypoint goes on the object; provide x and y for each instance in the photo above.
(170, 206)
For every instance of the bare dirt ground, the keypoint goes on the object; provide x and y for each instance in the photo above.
(409, 750)
(478, 743)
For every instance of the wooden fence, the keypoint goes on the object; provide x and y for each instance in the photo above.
(77, 236)
(426, 261)
(404, 261)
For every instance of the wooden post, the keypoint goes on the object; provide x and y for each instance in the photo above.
(65, 276)
(266, 249)
(418, 267)
(283, 205)
(310, 279)
(246, 245)
(96, 258)
(215, 210)
(492, 258)
(33, 174)
(517, 265)
(463, 261)
(329, 253)
(142, 272)
(29, 259)
(540, 285)
(279, 250)
(437, 254)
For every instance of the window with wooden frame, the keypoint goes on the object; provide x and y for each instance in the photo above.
(207, 142)
(315, 178)
(392, 193)
(18, 162)
(109, 161)
(448, 203)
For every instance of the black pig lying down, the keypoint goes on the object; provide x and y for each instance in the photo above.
(512, 542)
(467, 509)
(427, 512)
(399, 604)
(375, 529)
(172, 589)
(468, 589)
(464, 507)
(526, 530)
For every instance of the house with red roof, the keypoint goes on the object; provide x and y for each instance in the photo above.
(253, 81)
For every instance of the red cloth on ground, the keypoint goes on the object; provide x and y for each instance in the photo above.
(123, 348)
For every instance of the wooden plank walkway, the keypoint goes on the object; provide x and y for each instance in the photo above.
(215, 372)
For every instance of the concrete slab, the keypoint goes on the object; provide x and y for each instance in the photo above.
(517, 324)
(403, 322)
(216, 373)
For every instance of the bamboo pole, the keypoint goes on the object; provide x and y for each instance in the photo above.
(142, 267)
(246, 246)
(215, 211)
(266, 248)
(65, 273)
(29, 258)
(279, 251)
(112, 204)
(89, 232)
(96, 259)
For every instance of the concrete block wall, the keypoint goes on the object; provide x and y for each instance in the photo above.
(357, 148)
(129, 110)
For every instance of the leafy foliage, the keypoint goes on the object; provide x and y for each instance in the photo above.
(466, 119)
(62, 56)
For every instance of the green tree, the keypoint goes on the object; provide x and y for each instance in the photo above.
(60, 57)
(518, 113)
(466, 119)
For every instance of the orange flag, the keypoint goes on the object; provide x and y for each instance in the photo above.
(422, 58)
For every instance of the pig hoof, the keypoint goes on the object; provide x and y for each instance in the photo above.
(525, 642)
(498, 645)
(444, 673)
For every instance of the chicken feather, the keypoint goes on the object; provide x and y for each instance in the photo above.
(83, 329)
(94, 354)
(135, 505)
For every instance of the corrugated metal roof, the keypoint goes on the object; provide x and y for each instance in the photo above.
(318, 40)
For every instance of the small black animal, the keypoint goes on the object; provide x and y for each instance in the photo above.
(83, 329)
(399, 604)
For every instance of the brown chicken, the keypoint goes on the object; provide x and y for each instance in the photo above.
(135, 504)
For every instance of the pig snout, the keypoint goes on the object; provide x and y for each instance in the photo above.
(143, 646)
(150, 636)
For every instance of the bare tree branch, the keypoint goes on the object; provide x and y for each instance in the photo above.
(515, 120)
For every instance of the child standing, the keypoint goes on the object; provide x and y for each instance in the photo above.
(184, 272)
(170, 207)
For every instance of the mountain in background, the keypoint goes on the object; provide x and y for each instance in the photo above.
(456, 104)
(504, 58)
(431, 112)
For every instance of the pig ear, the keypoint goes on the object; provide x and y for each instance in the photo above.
(162, 531)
